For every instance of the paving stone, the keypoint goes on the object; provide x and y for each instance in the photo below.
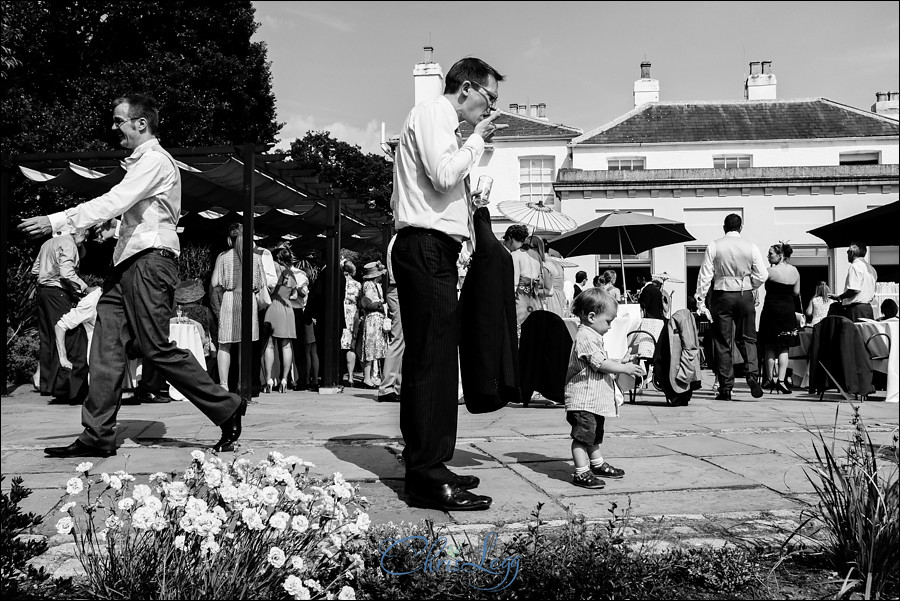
(513, 451)
(779, 473)
(707, 446)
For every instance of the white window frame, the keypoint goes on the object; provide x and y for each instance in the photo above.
(733, 161)
(634, 163)
(536, 181)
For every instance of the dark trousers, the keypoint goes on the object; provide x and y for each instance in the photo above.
(734, 318)
(138, 300)
(854, 311)
(71, 385)
(424, 264)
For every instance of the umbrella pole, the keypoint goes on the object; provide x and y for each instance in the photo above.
(622, 261)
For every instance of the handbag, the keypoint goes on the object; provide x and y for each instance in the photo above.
(263, 300)
(386, 324)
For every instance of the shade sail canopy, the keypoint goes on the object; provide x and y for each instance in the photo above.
(212, 198)
(876, 227)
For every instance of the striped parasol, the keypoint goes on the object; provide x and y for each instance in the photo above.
(537, 216)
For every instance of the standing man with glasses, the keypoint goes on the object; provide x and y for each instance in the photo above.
(139, 292)
(432, 213)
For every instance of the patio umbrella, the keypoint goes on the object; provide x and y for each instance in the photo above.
(623, 232)
(537, 216)
(871, 227)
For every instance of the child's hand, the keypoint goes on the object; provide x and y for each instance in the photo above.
(633, 369)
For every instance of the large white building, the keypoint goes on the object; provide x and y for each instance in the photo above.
(785, 166)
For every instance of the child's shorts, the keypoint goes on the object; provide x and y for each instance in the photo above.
(587, 427)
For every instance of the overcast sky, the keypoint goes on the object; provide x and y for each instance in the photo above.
(346, 67)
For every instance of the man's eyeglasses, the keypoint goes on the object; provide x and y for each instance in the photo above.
(119, 122)
(488, 96)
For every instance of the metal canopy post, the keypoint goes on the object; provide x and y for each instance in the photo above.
(247, 302)
(330, 329)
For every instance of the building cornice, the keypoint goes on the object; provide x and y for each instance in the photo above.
(843, 175)
(746, 143)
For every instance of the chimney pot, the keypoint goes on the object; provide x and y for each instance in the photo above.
(893, 96)
(513, 107)
(881, 96)
(767, 67)
(523, 109)
(429, 54)
(533, 112)
(645, 70)
(542, 110)
(755, 67)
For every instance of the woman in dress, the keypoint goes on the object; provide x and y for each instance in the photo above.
(778, 322)
(310, 376)
(280, 316)
(817, 309)
(371, 303)
(350, 332)
(527, 268)
(226, 282)
(556, 297)
(608, 284)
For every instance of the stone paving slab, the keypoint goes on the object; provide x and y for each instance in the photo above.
(559, 449)
(779, 473)
(706, 446)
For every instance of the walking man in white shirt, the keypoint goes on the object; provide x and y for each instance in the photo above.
(432, 213)
(859, 287)
(735, 268)
(138, 294)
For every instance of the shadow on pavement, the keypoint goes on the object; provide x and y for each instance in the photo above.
(555, 469)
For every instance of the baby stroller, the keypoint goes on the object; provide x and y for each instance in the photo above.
(676, 362)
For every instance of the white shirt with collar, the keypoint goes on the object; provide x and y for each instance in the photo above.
(430, 168)
(731, 264)
(148, 198)
(860, 277)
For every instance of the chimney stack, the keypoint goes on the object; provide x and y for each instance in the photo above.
(513, 108)
(887, 104)
(533, 111)
(646, 89)
(523, 109)
(760, 84)
(428, 78)
(542, 111)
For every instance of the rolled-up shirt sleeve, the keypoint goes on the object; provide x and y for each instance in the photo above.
(84, 311)
(759, 273)
(704, 280)
(67, 258)
(445, 163)
(147, 177)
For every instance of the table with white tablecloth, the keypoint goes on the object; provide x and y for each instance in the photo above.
(615, 340)
(877, 346)
(184, 335)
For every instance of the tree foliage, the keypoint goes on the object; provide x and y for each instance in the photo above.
(368, 177)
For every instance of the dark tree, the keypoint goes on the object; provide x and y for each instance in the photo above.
(368, 177)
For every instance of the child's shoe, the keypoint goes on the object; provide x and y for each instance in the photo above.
(608, 471)
(587, 480)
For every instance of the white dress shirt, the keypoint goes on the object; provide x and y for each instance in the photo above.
(861, 277)
(84, 313)
(430, 168)
(148, 198)
(731, 264)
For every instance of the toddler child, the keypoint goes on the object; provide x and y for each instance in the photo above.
(591, 390)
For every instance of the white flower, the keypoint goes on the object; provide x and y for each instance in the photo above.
(126, 504)
(161, 476)
(299, 523)
(144, 518)
(115, 482)
(229, 493)
(277, 458)
(190, 473)
(313, 585)
(195, 507)
(179, 542)
(338, 478)
(269, 496)
(276, 557)
(84, 467)
(294, 587)
(153, 503)
(74, 486)
(112, 522)
(356, 562)
(252, 518)
(141, 492)
(347, 593)
(279, 520)
(198, 455)
(219, 512)
(124, 476)
(292, 493)
(363, 522)
(209, 546)
(101, 536)
(176, 493)
(65, 525)
(65, 508)
(213, 477)
(297, 563)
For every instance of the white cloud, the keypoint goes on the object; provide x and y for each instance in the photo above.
(323, 19)
(536, 48)
(368, 138)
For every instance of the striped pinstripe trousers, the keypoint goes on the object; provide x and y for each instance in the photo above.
(424, 264)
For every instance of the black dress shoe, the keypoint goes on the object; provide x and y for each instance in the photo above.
(756, 390)
(448, 497)
(723, 395)
(152, 397)
(466, 482)
(78, 449)
(231, 429)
